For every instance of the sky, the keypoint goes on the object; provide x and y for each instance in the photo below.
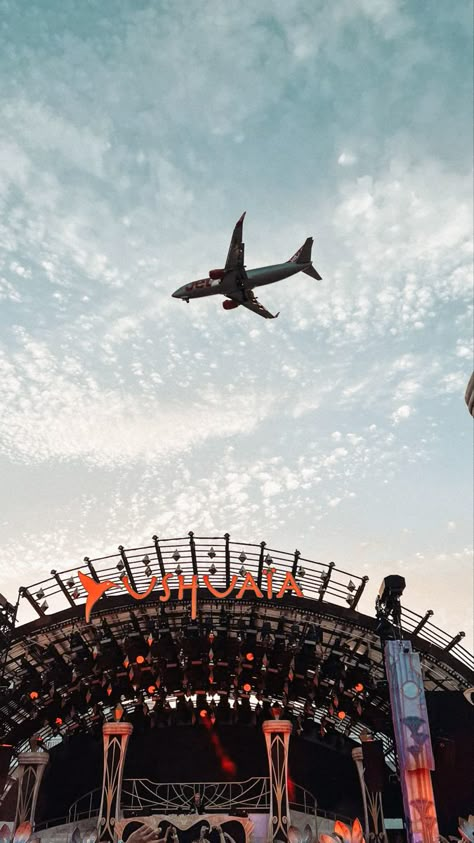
(132, 137)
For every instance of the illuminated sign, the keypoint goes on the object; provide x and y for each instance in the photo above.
(95, 590)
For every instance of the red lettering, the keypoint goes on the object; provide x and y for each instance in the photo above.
(221, 594)
(164, 584)
(289, 585)
(249, 584)
(269, 575)
(134, 593)
(94, 590)
(193, 586)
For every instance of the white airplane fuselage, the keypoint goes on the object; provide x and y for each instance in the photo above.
(254, 278)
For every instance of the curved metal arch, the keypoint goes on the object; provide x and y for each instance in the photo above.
(446, 664)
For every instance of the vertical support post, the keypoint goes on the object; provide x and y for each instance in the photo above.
(374, 826)
(127, 566)
(63, 588)
(294, 567)
(159, 555)
(412, 739)
(116, 737)
(30, 772)
(260, 564)
(227, 560)
(325, 581)
(277, 738)
(359, 592)
(357, 758)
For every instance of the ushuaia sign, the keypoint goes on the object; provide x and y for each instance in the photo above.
(95, 590)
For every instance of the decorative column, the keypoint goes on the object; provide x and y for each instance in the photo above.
(413, 741)
(277, 738)
(31, 766)
(374, 826)
(116, 737)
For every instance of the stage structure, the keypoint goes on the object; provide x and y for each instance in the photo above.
(211, 631)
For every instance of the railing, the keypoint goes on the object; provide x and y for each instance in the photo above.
(251, 795)
(319, 580)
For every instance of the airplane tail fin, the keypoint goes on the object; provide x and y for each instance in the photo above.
(303, 255)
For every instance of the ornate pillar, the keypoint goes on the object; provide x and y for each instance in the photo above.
(116, 737)
(412, 739)
(374, 826)
(357, 758)
(31, 766)
(277, 737)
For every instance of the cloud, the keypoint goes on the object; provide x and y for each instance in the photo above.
(346, 159)
(402, 413)
(54, 409)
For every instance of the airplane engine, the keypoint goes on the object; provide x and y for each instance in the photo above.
(228, 304)
(216, 274)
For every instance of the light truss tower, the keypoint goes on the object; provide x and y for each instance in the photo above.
(413, 741)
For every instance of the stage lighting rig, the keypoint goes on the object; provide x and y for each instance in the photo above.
(387, 604)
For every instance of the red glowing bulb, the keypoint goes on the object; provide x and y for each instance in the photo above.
(250, 657)
(203, 712)
(34, 695)
(359, 687)
(341, 715)
(140, 659)
(247, 687)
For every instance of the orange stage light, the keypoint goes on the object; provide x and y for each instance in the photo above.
(359, 687)
(203, 712)
(34, 695)
(247, 687)
(250, 657)
(151, 689)
(341, 715)
(140, 659)
(59, 721)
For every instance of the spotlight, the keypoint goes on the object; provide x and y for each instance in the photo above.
(341, 715)
(247, 688)
(203, 712)
(388, 600)
(118, 712)
(250, 657)
(33, 695)
(358, 688)
(151, 689)
(140, 659)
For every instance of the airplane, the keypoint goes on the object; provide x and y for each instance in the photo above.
(236, 283)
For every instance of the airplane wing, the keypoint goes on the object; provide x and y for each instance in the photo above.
(249, 301)
(235, 255)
